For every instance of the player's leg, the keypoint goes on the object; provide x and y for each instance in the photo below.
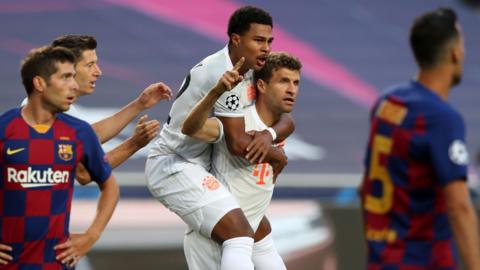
(201, 252)
(223, 221)
(265, 255)
(205, 205)
(236, 236)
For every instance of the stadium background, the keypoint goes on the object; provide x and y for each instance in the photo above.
(351, 50)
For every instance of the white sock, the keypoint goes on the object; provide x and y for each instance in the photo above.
(237, 254)
(265, 255)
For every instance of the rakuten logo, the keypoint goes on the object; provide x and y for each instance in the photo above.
(36, 178)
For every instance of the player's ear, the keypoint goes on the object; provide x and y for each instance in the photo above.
(261, 86)
(39, 83)
(235, 38)
(456, 53)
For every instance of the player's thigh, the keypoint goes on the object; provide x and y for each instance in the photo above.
(201, 252)
(207, 217)
(190, 191)
(264, 229)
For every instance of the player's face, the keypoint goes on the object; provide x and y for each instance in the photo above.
(88, 72)
(255, 45)
(282, 90)
(61, 88)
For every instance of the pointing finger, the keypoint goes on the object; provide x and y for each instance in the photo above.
(239, 64)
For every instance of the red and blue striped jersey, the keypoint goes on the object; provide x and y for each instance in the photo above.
(36, 185)
(416, 147)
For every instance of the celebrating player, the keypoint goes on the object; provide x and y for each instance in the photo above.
(178, 166)
(252, 185)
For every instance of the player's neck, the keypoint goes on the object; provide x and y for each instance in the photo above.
(266, 114)
(234, 58)
(37, 114)
(437, 80)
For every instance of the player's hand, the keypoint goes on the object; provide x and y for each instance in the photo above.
(230, 78)
(76, 246)
(4, 256)
(145, 131)
(258, 148)
(153, 94)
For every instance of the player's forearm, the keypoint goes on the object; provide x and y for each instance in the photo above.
(111, 126)
(465, 230)
(107, 202)
(284, 127)
(463, 221)
(196, 124)
(122, 152)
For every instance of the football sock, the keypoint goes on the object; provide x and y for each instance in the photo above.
(237, 254)
(265, 255)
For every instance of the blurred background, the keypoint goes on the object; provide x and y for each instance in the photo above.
(351, 51)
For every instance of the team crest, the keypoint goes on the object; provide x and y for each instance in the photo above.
(210, 183)
(232, 102)
(65, 152)
(458, 153)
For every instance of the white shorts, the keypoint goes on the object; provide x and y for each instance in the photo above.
(201, 252)
(190, 191)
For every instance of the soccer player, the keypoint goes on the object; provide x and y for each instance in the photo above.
(416, 204)
(40, 148)
(277, 84)
(178, 166)
(88, 72)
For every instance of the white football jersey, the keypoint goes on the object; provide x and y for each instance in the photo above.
(201, 79)
(251, 185)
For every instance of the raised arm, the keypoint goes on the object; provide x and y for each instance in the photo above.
(145, 131)
(463, 219)
(197, 124)
(111, 126)
(78, 245)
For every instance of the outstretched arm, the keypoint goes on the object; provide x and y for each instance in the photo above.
(111, 126)
(258, 148)
(463, 220)
(237, 141)
(145, 131)
(78, 245)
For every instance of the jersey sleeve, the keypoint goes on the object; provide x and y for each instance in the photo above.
(230, 103)
(447, 147)
(93, 156)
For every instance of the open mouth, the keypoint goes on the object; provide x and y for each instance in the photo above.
(92, 84)
(71, 100)
(289, 101)
(261, 60)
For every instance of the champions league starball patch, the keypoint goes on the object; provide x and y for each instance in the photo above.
(458, 152)
(232, 102)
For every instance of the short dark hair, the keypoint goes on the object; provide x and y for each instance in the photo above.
(42, 62)
(76, 43)
(430, 35)
(241, 19)
(275, 61)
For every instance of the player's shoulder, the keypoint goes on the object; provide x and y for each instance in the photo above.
(212, 66)
(74, 122)
(9, 115)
